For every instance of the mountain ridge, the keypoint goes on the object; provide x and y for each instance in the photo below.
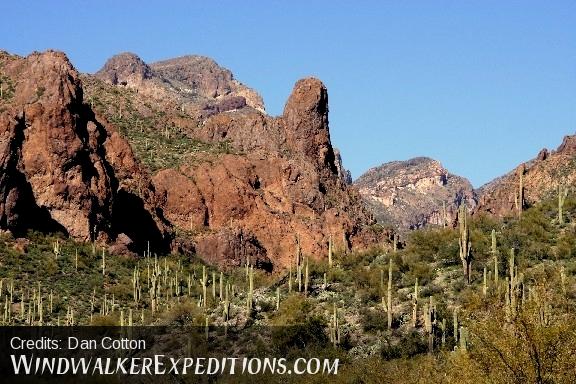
(414, 193)
(250, 187)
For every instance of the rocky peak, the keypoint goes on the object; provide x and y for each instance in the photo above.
(568, 146)
(61, 168)
(196, 85)
(541, 177)
(202, 76)
(413, 193)
(285, 183)
(306, 122)
(124, 69)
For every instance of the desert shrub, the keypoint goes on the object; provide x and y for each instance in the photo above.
(410, 344)
(184, 313)
(296, 339)
(433, 244)
(373, 320)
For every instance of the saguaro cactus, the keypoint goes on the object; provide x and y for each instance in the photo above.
(306, 278)
(464, 242)
(485, 283)
(463, 339)
(103, 262)
(56, 248)
(519, 197)
(334, 328)
(204, 282)
(389, 301)
(298, 257)
(290, 279)
(415, 304)
(512, 287)
(213, 285)
(277, 298)
(330, 251)
(250, 299)
(494, 252)
(562, 193)
(455, 324)
(430, 322)
(226, 309)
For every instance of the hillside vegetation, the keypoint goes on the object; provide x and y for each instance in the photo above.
(516, 328)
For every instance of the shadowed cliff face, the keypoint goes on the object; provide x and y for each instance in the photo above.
(414, 193)
(55, 155)
(232, 184)
(541, 178)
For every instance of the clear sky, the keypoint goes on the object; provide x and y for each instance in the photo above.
(479, 85)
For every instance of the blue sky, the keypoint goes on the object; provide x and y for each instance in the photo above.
(479, 85)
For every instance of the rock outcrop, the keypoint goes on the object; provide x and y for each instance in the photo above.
(227, 181)
(343, 173)
(540, 178)
(284, 185)
(62, 170)
(414, 193)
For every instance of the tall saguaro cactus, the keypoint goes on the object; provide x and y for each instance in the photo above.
(464, 242)
(298, 258)
(306, 278)
(455, 325)
(415, 305)
(562, 193)
(519, 196)
(430, 322)
(494, 252)
(330, 251)
(250, 299)
(389, 301)
(513, 284)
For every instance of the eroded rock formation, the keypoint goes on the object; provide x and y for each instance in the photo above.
(240, 185)
(62, 170)
(411, 194)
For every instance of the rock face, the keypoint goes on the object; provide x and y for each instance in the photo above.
(262, 199)
(240, 185)
(62, 170)
(541, 177)
(411, 194)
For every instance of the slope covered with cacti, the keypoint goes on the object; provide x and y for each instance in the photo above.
(398, 310)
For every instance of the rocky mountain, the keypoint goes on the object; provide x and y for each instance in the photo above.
(541, 177)
(62, 170)
(196, 84)
(176, 154)
(413, 193)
